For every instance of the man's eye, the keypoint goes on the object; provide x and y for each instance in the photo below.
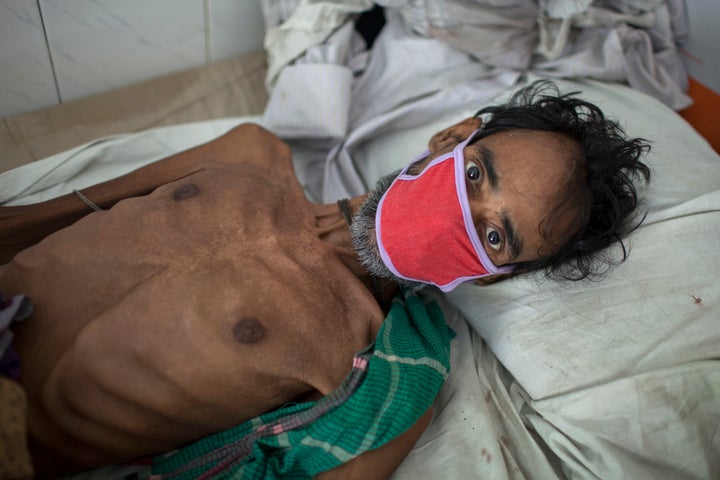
(472, 171)
(494, 238)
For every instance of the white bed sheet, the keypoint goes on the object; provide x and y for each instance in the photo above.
(613, 379)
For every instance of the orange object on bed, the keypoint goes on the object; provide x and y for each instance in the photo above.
(704, 114)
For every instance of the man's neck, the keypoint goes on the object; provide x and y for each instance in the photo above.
(333, 227)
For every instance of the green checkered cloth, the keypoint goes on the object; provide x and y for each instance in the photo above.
(392, 384)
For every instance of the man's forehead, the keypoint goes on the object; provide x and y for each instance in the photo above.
(540, 154)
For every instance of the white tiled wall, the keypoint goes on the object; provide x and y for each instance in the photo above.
(26, 77)
(702, 59)
(236, 25)
(53, 51)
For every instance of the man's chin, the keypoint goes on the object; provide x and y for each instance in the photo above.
(364, 240)
(362, 229)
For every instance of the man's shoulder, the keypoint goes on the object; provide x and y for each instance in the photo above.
(250, 144)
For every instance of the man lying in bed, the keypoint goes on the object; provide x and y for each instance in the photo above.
(209, 291)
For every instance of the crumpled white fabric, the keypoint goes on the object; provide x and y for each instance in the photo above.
(667, 428)
(501, 33)
(337, 97)
(294, 26)
(634, 42)
(631, 41)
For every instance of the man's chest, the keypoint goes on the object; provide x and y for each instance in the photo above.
(220, 268)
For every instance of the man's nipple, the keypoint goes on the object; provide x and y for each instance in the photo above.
(249, 330)
(186, 191)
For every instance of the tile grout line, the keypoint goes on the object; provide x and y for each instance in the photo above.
(49, 52)
(208, 32)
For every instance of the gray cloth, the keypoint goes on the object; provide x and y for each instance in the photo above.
(631, 41)
(634, 42)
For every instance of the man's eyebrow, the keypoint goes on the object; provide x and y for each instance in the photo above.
(514, 241)
(487, 158)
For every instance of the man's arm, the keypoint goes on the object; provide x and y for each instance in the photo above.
(25, 225)
(382, 462)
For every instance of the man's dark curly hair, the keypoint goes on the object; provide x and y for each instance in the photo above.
(604, 188)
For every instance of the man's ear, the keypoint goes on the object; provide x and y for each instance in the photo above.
(453, 135)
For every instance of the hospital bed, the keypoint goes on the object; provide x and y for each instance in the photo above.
(615, 378)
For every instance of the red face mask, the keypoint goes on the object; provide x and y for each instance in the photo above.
(424, 227)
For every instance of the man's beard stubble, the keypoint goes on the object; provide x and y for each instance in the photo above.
(362, 230)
